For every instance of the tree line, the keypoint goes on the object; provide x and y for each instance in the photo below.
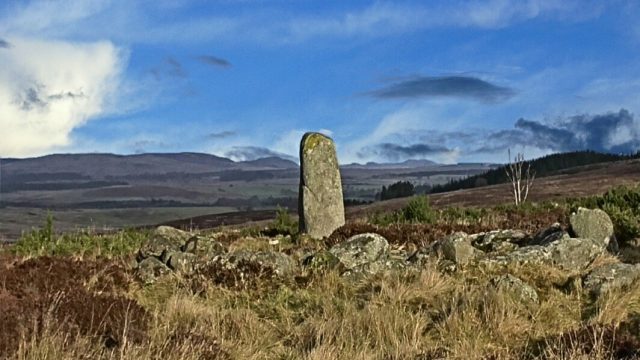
(543, 166)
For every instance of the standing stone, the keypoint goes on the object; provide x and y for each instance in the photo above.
(320, 207)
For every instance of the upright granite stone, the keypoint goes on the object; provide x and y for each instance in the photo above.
(320, 207)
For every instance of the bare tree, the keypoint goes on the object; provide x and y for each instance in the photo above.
(521, 177)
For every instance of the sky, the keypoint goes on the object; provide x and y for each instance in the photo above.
(449, 81)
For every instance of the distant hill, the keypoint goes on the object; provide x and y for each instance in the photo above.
(544, 166)
(104, 166)
(272, 162)
(407, 164)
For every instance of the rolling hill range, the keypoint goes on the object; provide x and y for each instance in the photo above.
(107, 190)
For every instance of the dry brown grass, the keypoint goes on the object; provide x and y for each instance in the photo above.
(397, 315)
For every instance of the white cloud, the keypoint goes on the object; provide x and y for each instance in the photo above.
(48, 88)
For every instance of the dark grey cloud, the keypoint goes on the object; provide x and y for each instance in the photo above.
(36, 97)
(614, 132)
(445, 86)
(397, 152)
(4, 44)
(31, 99)
(66, 95)
(248, 153)
(221, 135)
(214, 61)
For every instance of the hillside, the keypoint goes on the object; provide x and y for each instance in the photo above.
(101, 166)
(544, 166)
(575, 182)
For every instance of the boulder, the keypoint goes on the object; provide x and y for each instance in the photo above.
(519, 289)
(594, 224)
(321, 207)
(570, 254)
(150, 269)
(162, 240)
(458, 249)
(367, 252)
(574, 254)
(610, 277)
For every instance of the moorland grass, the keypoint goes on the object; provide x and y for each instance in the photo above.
(405, 314)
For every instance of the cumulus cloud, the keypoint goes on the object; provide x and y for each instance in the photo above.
(49, 88)
(614, 132)
(247, 153)
(214, 61)
(445, 86)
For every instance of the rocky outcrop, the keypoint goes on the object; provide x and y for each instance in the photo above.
(458, 249)
(500, 248)
(172, 250)
(321, 206)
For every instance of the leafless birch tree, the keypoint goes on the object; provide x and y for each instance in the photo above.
(521, 177)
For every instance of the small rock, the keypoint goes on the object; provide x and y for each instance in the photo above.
(369, 250)
(594, 224)
(498, 240)
(150, 269)
(518, 288)
(457, 248)
(204, 246)
(163, 239)
(181, 262)
(190, 245)
(610, 277)
(321, 260)
(548, 235)
(421, 257)
(525, 255)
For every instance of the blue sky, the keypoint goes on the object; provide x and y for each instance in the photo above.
(449, 81)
